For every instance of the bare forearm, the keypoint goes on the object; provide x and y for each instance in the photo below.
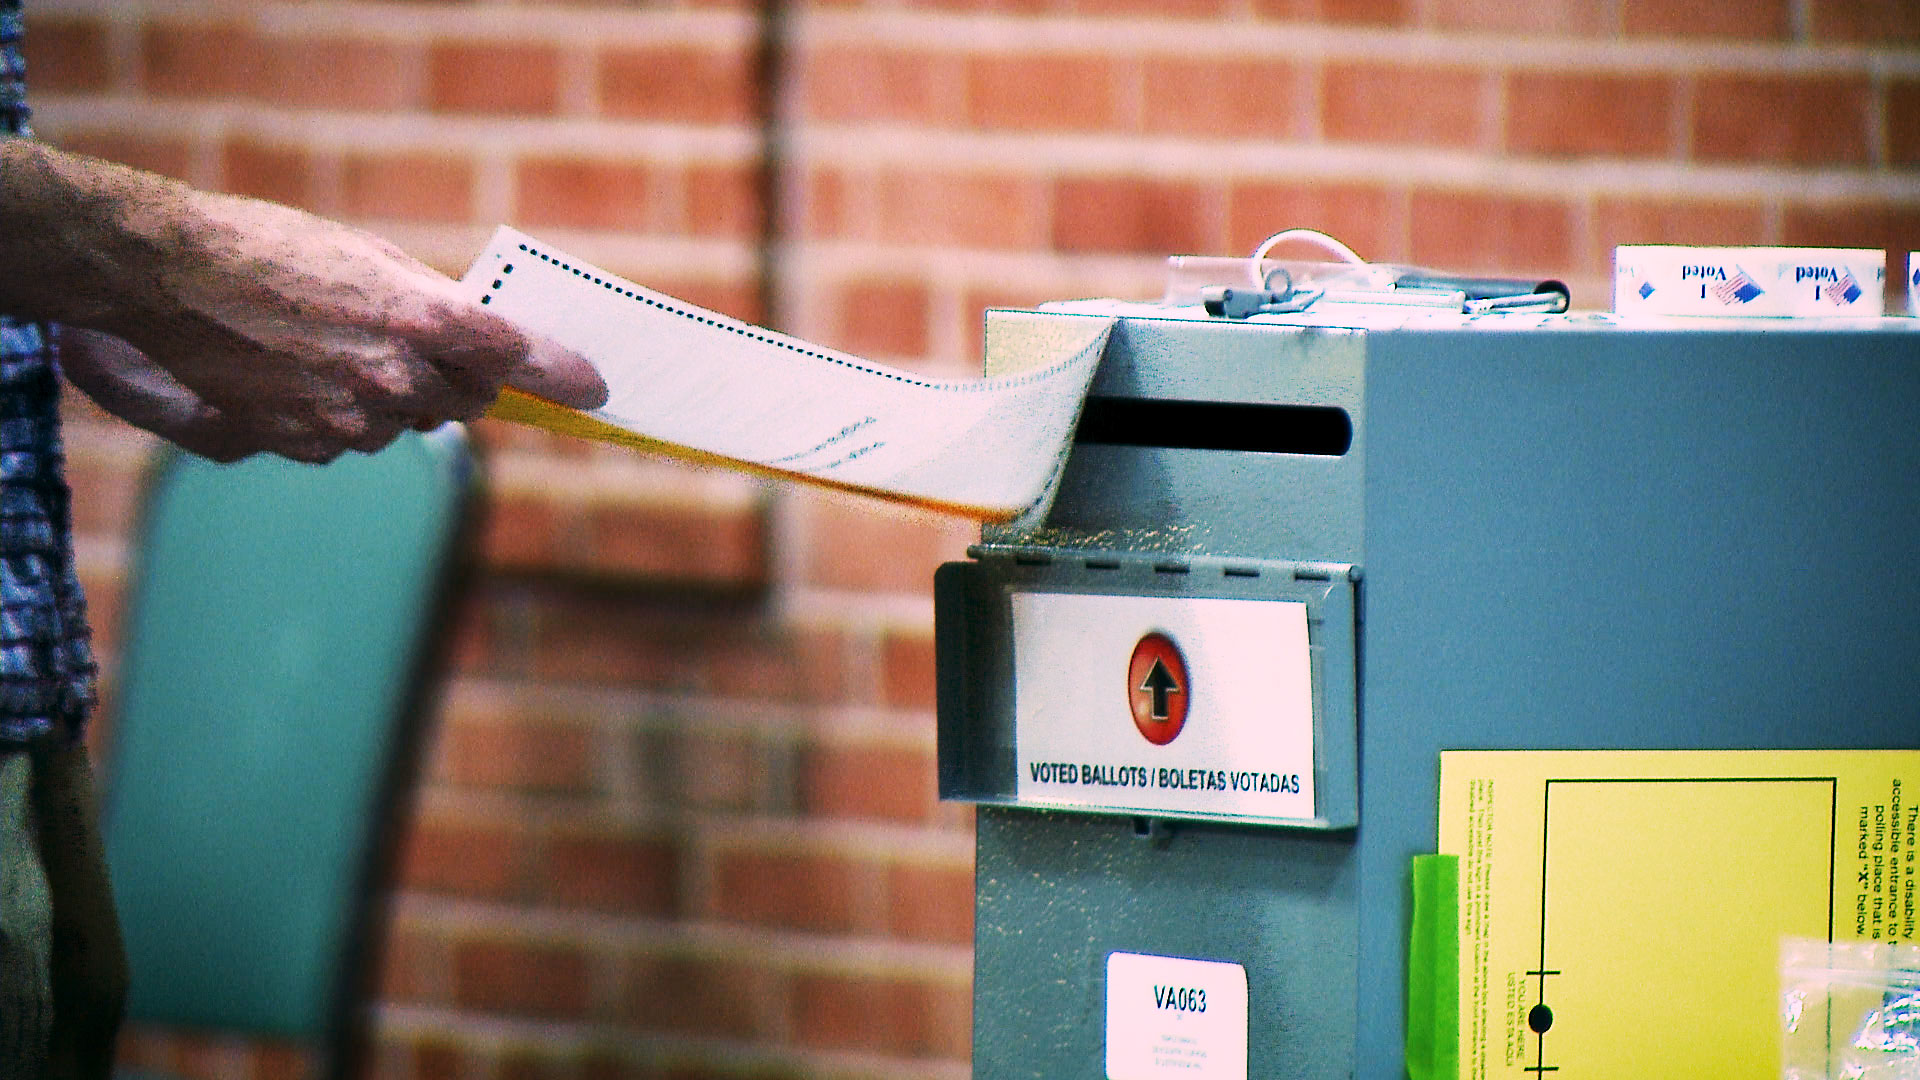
(312, 335)
(79, 230)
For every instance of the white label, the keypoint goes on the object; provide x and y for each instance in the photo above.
(1244, 704)
(1913, 283)
(1168, 1018)
(1802, 282)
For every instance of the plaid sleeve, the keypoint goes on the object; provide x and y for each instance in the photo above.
(47, 669)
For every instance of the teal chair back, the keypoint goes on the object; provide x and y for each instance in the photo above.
(280, 623)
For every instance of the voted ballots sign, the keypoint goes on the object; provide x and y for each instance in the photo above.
(1182, 704)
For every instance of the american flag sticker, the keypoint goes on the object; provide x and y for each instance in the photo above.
(1738, 289)
(1842, 292)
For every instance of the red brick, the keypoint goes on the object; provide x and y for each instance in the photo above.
(465, 858)
(67, 54)
(1652, 221)
(1766, 20)
(793, 665)
(264, 171)
(1345, 12)
(931, 904)
(569, 630)
(869, 782)
(1624, 115)
(1903, 122)
(1133, 215)
(907, 670)
(1217, 98)
(436, 1057)
(623, 874)
(523, 978)
(723, 772)
(694, 996)
(410, 187)
(140, 1047)
(847, 84)
(971, 210)
(823, 198)
(913, 1019)
(1866, 22)
(1159, 9)
(519, 529)
(1381, 103)
(736, 298)
(682, 83)
(1561, 18)
(1491, 232)
(687, 544)
(723, 200)
(166, 155)
(1042, 93)
(500, 436)
(413, 968)
(1004, 7)
(585, 194)
(879, 549)
(488, 78)
(1782, 120)
(109, 493)
(528, 1063)
(337, 73)
(517, 755)
(202, 60)
(195, 1054)
(797, 892)
(1368, 219)
(885, 318)
(279, 1061)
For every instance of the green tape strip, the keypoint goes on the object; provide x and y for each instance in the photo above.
(1433, 970)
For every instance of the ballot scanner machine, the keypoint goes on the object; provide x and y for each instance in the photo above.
(1200, 699)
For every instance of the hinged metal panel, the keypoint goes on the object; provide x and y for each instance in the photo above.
(976, 658)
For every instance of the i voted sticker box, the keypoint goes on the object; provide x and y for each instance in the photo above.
(1802, 282)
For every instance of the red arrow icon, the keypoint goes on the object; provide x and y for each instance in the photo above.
(1157, 688)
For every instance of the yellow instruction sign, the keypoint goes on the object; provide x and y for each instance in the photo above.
(1622, 911)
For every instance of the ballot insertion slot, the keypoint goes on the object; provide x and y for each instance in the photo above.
(1319, 430)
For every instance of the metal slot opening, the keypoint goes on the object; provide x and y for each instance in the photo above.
(1321, 430)
(1103, 564)
(1169, 568)
(1241, 571)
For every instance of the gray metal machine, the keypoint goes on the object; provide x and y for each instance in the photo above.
(1518, 532)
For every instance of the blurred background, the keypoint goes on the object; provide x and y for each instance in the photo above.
(678, 817)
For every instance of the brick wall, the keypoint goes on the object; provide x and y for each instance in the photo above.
(678, 819)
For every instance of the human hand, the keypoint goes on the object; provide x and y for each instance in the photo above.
(122, 380)
(306, 337)
(318, 337)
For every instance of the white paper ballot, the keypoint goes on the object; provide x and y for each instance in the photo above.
(692, 382)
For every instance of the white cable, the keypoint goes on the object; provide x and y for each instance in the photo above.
(1315, 236)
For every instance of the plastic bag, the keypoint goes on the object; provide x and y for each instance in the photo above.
(1850, 1010)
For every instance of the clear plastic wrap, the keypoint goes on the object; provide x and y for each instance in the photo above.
(1850, 1009)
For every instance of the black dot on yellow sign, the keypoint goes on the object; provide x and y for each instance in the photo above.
(1157, 689)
